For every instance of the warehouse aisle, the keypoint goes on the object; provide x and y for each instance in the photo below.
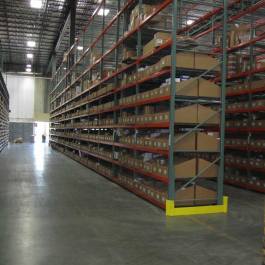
(55, 211)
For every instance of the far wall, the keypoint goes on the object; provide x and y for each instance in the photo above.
(29, 98)
(29, 103)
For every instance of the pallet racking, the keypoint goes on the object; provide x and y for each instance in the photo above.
(244, 125)
(92, 133)
(4, 114)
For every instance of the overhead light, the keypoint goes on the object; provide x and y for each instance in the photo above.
(29, 65)
(31, 43)
(100, 12)
(28, 70)
(30, 55)
(36, 3)
(189, 22)
(79, 48)
(64, 68)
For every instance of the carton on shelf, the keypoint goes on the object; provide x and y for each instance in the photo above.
(259, 65)
(258, 104)
(200, 87)
(203, 193)
(205, 62)
(94, 57)
(205, 112)
(187, 143)
(257, 84)
(188, 114)
(161, 142)
(207, 142)
(191, 61)
(185, 167)
(160, 38)
(210, 172)
(237, 35)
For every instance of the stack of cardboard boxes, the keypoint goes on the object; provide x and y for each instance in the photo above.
(238, 34)
(188, 60)
(162, 20)
(158, 164)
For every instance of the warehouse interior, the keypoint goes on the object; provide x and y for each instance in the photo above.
(132, 132)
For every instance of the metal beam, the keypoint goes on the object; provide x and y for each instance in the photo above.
(72, 31)
(61, 35)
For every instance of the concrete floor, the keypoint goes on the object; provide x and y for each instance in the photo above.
(55, 211)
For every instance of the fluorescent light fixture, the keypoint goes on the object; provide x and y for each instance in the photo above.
(189, 22)
(28, 65)
(29, 55)
(36, 3)
(31, 43)
(100, 12)
(80, 48)
(28, 70)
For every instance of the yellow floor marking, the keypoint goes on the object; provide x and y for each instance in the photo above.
(224, 235)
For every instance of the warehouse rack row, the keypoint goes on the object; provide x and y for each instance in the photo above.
(113, 110)
(4, 114)
(245, 124)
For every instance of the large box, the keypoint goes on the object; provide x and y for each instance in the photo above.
(205, 112)
(200, 87)
(257, 84)
(187, 114)
(183, 60)
(205, 62)
(206, 142)
(187, 143)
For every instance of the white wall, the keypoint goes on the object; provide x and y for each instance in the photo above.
(21, 92)
(27, 98)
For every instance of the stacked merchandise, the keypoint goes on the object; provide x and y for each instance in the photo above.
(245, 119)
(120, 124)
(4, 114)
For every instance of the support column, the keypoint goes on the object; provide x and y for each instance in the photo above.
(72, 31)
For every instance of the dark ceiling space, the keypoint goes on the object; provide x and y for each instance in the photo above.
(20, 23)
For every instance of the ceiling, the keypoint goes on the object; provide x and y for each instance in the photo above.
(20, 23)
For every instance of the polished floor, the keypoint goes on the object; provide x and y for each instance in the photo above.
(55, 211)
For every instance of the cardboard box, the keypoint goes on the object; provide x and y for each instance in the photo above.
(257, 84)
(161, 142)
(207, 142)
(258, 104)
(187, 114)
(205, 112)
(187, 143)
(183, 60)
(205, 62)
(94, 57)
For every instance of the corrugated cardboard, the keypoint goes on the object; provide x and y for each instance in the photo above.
(205, 62)
(186, 194)
(209, 173)
(208, 89)
(185, 168)
(257, 84)
(190, 90)
(183, 60)
(202, 193)
(204, 113)
(207, 142)
(187, 143)
(187, 114)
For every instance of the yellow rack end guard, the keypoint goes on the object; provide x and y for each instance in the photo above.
(172, 211)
